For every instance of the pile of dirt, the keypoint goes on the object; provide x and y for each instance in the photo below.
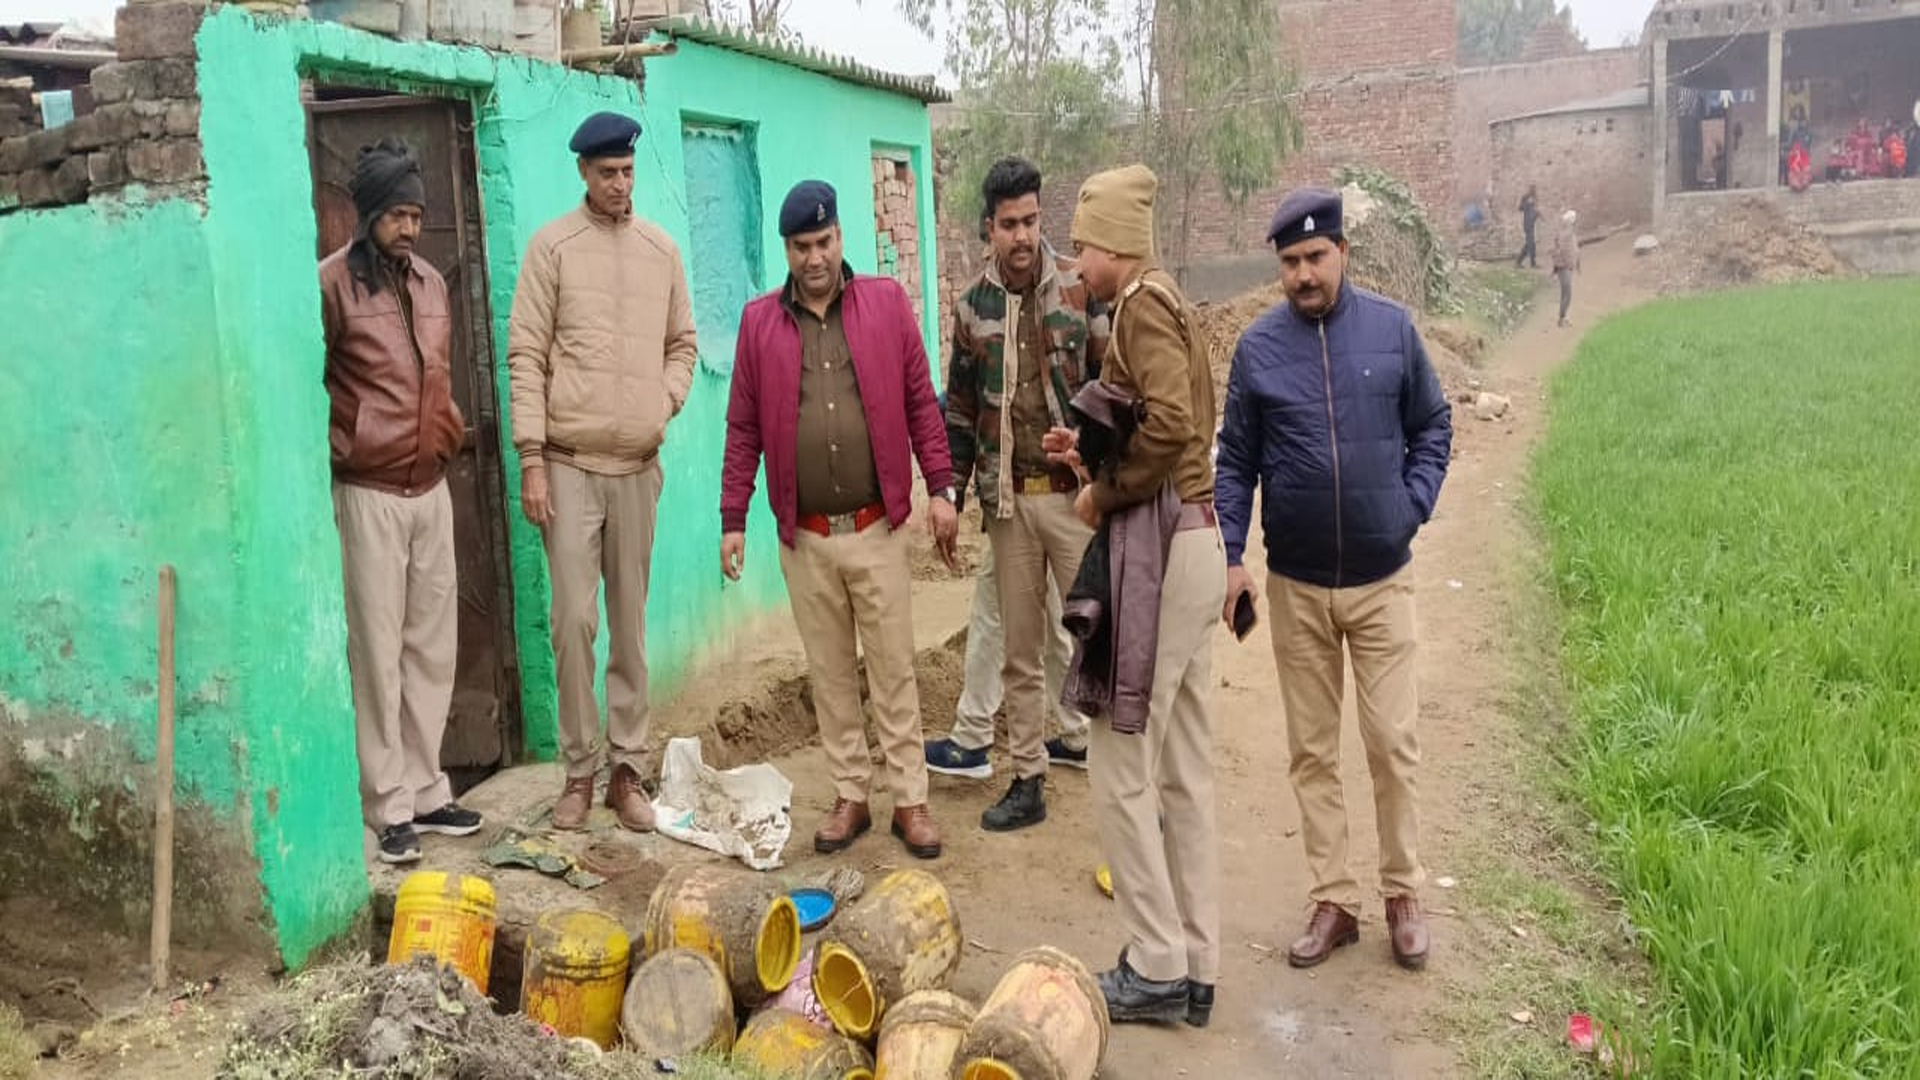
(1748, 242)
(408, 1022)
(1456, 350)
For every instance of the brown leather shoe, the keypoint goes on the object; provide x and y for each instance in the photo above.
(1407, 928)
(629, 800)
(915, 828)
(846, 822)
(570, 812)
(1330, 928)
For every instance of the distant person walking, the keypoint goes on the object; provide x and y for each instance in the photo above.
(1529, 218)
(1566, 260)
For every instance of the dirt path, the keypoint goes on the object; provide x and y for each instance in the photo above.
(1358, 1015)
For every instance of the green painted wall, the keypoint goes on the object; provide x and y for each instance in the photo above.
(177, 416)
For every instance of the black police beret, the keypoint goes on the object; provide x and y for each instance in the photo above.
(1304, 215)
(605, 134)
(810, 207)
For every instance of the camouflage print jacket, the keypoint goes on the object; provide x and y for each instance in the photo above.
(980, 373)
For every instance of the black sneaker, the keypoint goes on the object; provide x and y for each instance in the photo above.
(1134, 998)
(399, 844)
(949, 758)
(450, 820)
(1059, 753)
(1024, 804)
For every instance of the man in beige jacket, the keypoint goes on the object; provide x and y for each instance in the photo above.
(601, 349)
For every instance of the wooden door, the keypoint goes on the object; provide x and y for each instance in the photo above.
(483, 728)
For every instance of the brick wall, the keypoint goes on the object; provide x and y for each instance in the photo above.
(1595, 162)
(1484, 95)
(896, 224)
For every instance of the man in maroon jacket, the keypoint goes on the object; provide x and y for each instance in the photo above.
(393, 426)
(831, 384)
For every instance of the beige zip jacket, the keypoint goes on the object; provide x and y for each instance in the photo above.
(600, 347)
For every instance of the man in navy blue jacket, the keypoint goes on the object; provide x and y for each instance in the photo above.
(1334, 412)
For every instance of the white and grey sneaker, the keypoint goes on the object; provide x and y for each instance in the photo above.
(399, 844)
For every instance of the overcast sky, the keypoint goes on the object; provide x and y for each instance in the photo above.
(869, 29)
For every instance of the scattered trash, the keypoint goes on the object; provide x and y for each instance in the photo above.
(741, 812)
(1293, 831)
(1445, 882)
(1580, 1033)
(844, 882)
(1265, 950)
(1646, 244)
(1519, 932)
(984, 947)
(1523, 1016)
(1456, 583)
(1103, 879)
(1491, 406)
(516, 848)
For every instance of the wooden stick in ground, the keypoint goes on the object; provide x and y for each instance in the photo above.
(163, 793)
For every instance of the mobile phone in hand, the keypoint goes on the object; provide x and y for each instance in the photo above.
(1243, 616)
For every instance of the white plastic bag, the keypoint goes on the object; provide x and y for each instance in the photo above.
(741, 812)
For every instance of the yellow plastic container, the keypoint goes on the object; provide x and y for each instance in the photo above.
(576, 974)
(901, 938)
(449, 917)
(1046, 1020)
(789, 1046)
(921, 1035)
(744, 922)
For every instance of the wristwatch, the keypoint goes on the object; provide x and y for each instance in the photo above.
(947, 494)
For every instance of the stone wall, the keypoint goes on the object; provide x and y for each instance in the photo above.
(144, 127)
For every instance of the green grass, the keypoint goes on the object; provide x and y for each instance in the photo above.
(1496, 296)
(1731, 491)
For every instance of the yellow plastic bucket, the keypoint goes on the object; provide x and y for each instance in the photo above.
(576, 974)
(921, 1035)
(449, 917)
(789, 1046)
(746, 924)
(1046, 1020)
(901, 938)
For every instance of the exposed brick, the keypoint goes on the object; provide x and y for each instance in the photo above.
(183, 118)
(1484, 95)
(173, 77)
(58, 186)
(107, 168)
(45, 149)
(153, 31)
(1597, 163)
(165, 161)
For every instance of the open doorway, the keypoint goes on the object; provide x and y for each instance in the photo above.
(483, 726)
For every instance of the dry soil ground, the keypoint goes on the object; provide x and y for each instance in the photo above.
(1358, 1015)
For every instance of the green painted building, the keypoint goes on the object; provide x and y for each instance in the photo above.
(161, 403)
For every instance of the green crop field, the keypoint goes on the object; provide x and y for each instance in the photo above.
(1730, 489)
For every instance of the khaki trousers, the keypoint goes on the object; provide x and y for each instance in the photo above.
(1153, 793)
(853, 594)
(1376, 624)
(602, 529)
(1043, 536)
(396, 559)
(983, 694)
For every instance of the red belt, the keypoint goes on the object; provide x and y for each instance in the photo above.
(830, 525)
(1196, 515)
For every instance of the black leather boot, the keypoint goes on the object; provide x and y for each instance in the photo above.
(1199, 1004)
(1024, 804)
(1133, 998)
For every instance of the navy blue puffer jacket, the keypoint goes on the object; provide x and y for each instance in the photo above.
(1343, 425)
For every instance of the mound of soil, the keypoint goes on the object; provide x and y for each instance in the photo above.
(416, 1020)
(1747, 243)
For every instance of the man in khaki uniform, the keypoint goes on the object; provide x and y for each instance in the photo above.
(1153, 792)
(601, 348)
(392, 428)
(832, 389)
(1024, 342)
(1340, 505)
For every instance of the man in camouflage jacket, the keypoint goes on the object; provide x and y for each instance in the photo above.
(1026, 337)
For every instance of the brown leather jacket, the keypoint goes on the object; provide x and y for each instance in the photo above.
(393, 424)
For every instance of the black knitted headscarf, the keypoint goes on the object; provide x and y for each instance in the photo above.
(386, 175)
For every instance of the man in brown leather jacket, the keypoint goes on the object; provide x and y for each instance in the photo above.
(392, 427)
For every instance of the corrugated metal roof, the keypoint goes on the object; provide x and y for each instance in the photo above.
(1638, 97)
(708, 32)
